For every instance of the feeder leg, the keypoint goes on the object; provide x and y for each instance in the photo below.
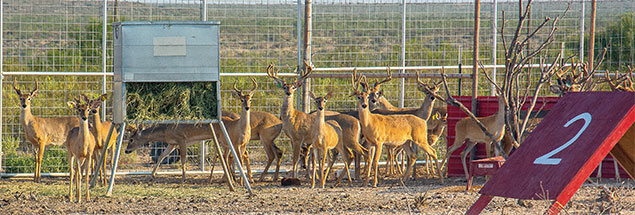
(102, 157)
(114, 165)
(222, 160)
(236, 157)
(479, 205)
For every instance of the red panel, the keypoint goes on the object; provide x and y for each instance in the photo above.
(487, 105)
(612, 113)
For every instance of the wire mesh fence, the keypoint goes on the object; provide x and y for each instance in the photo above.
(66, 36)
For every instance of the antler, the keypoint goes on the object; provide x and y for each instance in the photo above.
(307, 71)
(15, 86)
(355, 79)
(387, 79)
(273, 73)
(240, 93)
(251, 92)
(35, 89)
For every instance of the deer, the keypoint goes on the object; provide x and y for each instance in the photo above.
(41, 131)
(393, 130)
(265, 127)
(183, 135)
(467, 130)
(100, 131)
(327, 135)
(295, 124)
(80, 144)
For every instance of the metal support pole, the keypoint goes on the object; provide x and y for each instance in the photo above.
(582, 31)
(204, 10)
(592, 35)
(308, 27)
(202, 150)
(1, 76)
(102, 156)
(236, 157)
(104, 52)
(460, 65)
(403, 55)
(111, 183)
(494, 27)
(223, 163)
(477, 22)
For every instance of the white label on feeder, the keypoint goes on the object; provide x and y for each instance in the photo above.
(485, 165)
(169, 46)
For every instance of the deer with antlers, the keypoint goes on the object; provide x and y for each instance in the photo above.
(41, 131)
(80, 144)
(394, 130)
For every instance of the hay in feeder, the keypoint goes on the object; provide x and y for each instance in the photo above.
(171, 101)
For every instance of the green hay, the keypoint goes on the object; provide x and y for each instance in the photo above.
(171, 101)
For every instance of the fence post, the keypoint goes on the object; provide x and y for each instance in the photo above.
(403, 55)
(308, 27)
(104, 51)
(1, 78)
(494, 27)
(582, 31)
(202, 149)
(477, 22)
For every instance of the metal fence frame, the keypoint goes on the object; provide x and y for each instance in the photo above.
(299, 35)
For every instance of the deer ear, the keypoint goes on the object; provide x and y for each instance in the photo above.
(235, 94)
(380, 93)
(71, 104)
(329, 95)
(103, 97)
(311, 95)
(556, 89)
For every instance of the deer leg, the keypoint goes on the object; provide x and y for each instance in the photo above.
(296, 156)
(458, 142)
(369, 164)
(415, 150)
(357, 164)
(334, 154)
(411, 158)
(389, 161)
(89, 158)
(270, 157)
(71, 162)
(246, 162)
(306, 157)
(78, 180)
(348, 156)
(464, 154)
(315, 154)
(376, 162)
(183, 155)
(322, 166)
(433, 155)
(38, 164)
(278, 161)
(165, 153)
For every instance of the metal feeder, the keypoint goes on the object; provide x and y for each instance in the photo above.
(174, 52)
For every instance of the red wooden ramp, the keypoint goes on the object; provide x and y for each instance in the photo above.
(565, 148)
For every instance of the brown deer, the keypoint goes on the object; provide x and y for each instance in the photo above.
(295, 124)
(80, 144)
(468, 131)
(100, 131)
(265, 127)
(41, 131)
(394, 130)
(326, 136)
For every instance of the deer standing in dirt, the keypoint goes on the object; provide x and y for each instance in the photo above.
(394, 130)
(265, 127)
(327, 135)
(100, 131)
(468, 131)
(41, 131)
(80, 144)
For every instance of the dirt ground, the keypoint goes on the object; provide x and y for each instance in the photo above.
(167, 194)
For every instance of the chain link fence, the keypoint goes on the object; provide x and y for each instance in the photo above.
(45, 36)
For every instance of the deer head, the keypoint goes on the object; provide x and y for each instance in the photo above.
(320, 102)
(83, 109)
(375, 92)
(429, 88)
(289, 88)
(25, 98)
(96, 103)
(245, 99)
